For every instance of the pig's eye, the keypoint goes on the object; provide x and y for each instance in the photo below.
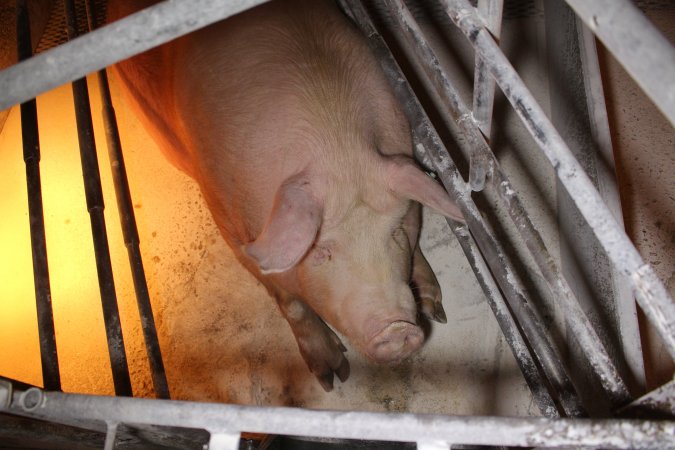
(320, 255)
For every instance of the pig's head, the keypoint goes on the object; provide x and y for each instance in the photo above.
(348, 255)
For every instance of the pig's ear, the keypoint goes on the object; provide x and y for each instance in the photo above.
(290, 230)
(407, 180)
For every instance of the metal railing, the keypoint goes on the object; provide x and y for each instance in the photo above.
(533, 347)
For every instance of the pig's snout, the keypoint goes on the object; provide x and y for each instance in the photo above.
(395, 342)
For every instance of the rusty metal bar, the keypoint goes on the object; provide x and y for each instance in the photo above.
(129, 228)
(51, 377)
(650, 291)
(95, 206)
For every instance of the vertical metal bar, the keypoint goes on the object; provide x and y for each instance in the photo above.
(638, 46)
(483, 83)
(431, 144)
(129, 229)
(95, 206)
(51, 377)
(588, 271)
(650, 291)
(484, 94)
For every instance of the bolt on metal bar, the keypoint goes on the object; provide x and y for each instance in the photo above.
(537, 334)
(129, 228)
(93, 412)
(127, 37)
(636, 44)
(51, 377)
(430, 145)
(95, 206)
(650, 292)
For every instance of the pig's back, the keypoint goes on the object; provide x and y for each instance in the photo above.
(260, 97)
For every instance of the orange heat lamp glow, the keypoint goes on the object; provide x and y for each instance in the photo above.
(80, 333)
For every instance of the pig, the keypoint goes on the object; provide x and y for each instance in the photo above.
(284, 118)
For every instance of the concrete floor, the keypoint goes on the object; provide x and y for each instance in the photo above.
(222, 336)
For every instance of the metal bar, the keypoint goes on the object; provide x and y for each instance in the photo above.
(657, 404)
(107, 45)
(636, 44)
(583, 264)
(650, 292)
(51, 377)
(609, 190)
(129, 228)
(110, 436)
(483, 83)
(93, 412)
(537, 334)
(95, 206)
(531, 371)
(431, 145)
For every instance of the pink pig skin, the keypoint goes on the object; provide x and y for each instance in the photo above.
(284, 118)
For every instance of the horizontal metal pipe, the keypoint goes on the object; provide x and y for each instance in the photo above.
(93, 412)
(637, 44)
(95, 206)
(120, 40)
(51, 377)
(650, 291)
(431, 146)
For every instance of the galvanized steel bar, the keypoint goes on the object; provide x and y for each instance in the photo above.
(638, 46)
(120, 40)
(582, 329)
(431, 146)
(51, 377)
(94, 412)
(650, 292)
(129, 229)
(483, 83)
(538, 335)
(521, 351)
(95, 206)
(657, 404)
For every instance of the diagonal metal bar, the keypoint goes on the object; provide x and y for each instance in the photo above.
(106, 46)
(649, 290)
(431, 145)
(542, 344)
(638, 46)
